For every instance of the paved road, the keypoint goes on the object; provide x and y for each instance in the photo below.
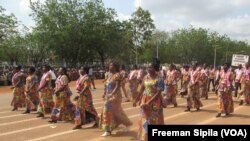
(15, 126)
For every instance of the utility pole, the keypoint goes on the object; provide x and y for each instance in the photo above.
(157, 49)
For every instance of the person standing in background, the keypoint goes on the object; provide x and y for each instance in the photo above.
(106, 76)
(203, 84)
(171, 84)
(123, 82)
(238, 72)
(140, 75)
(53, 78)
(91, 76)
(217, 78)
(133, 82)
(185, 80)
(211, 78)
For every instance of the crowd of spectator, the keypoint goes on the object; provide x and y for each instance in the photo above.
(7, 73)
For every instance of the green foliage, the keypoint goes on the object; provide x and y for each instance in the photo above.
(10, 39)
(74, 32)
(81, 31)
(193, 44)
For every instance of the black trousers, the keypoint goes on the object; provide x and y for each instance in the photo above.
(237, 86)
(210, 81)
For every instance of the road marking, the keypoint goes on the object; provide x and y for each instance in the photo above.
(53, 135)
(125, 103)
(12, 116)
(22, 130)
(99, 102)
(98, 99)
(20, 121)
(131, 108)
(5, 112)
(71, 131)
(166, 118)
(6, 107)
(214, 118)
(185, 113)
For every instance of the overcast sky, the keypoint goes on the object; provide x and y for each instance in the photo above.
(231, 17)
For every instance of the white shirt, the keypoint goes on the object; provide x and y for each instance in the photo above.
(238, 74)
(52, 75)
(90, 71)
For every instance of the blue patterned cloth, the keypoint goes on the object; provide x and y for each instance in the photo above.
(55, 111)
(109, 88)
(77, 113)
(108, 105)
(160, 85)
(145, 126)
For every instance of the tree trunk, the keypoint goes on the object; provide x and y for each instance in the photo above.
(102, 59)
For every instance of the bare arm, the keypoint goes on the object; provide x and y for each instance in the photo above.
(117, 84)
(19, 81)
(33, 84)
(142, 88)
(86, 86)
(16, 84)
(154, 97)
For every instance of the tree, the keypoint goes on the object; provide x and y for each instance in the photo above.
(85, 30)
(142, 27)
(8, 25)
(10, 38)
(156, 43)
(192, 44)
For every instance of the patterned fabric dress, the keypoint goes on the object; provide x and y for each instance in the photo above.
(245, 87)
(204, 84)
(193, 99)
(133, 83)
(46, 100)
(112, 114)
(140, 75)
(171, 86)
(154, 113)
(211, 76)
(123, 77)
(185, 80)
(63, 109)
(32, 96)
(18, 100)
(85, 101)
(217, 79)
(225, 99)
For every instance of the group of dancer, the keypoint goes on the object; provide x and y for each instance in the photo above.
(38, 96)
(152, 91)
